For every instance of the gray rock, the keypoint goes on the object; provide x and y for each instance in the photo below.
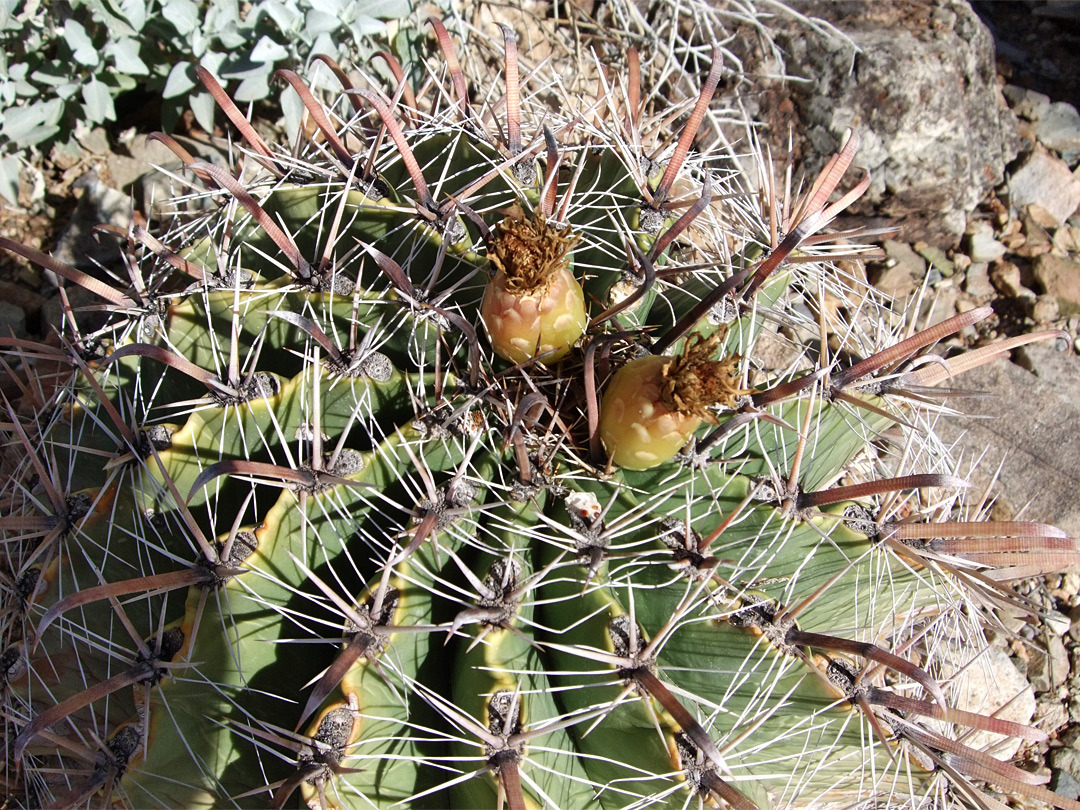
(1059, 128)
(1028, 421)
(1060, 278)
(1066, 759)
(78, 245)
(990, 685)
(936, 131)
(1045, 180)
(1050, 713)
(937, 259)
(902, 269)
(1049, 668)
(977, 281)
(1026, 103)
(981, 244)
(1065, 784)
(1006, 278)
(12, 320)
(1045, 309)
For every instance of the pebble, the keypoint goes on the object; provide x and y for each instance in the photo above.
(1059, 129)
(1045, 309)
(1066, 759)
(1060, 278)
(1026, 103)
(1056, 622)
(12, 320)
(936, 257)
(1050, 668)
(1047, 181)
(1036, 239)
(1050, 714)
(1006, 278)
(977, 283)
(982, 246)
(1065, 784)
(1070, 582)
(902, 269)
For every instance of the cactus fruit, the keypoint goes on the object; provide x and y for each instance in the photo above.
(533, 307)
(286, 528)
(654, 404)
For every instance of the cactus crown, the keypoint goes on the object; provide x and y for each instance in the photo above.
(284, 524)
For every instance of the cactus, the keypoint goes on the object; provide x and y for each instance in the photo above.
(303, 519)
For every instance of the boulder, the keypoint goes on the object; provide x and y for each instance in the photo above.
(917, 81)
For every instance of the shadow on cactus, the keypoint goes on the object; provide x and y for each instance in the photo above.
(433, 465)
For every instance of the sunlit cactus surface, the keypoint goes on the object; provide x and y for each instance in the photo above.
(437, 462)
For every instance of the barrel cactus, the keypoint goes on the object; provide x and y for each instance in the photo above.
(434, 464)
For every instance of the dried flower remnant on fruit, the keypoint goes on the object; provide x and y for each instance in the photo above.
(533, 306)
(693, 382)
(652, 405)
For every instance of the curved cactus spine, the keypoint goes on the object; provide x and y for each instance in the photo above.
(290, 527)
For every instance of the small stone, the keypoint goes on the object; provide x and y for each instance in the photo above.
(982, 246)
(94, 140)
(993, 686)
(1050, 714)
(1036, 239)
(1046, 180)
(1066, 759)
(937, 259)
(12, 320)
(1041, 216)
(1067, 239)
(1026, 103)
(1065, 784)
(1049, 668)
(1070, 581)
(1059, 127)
(1045, 309)
(900, 272)
(965, 305)
(977, 282)
(1060, 278)
(1056, 622)
(1006, 278)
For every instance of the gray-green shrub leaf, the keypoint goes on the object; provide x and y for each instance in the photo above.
(181, 80)
(266, 50)
(386, 9)
(98, 102)
(135, 12)
(203, 106)
(26, 126)
(320, 22)
(364, 26)
(82, 47)
(125, 54)
(183, 14)
(9, 178)
(253, 88)
(288, 18)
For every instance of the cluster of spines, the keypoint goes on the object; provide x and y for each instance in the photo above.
(621, 635)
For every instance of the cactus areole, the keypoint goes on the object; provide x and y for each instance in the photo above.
(283, 528)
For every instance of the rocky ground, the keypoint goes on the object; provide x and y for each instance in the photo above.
(987, 210)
